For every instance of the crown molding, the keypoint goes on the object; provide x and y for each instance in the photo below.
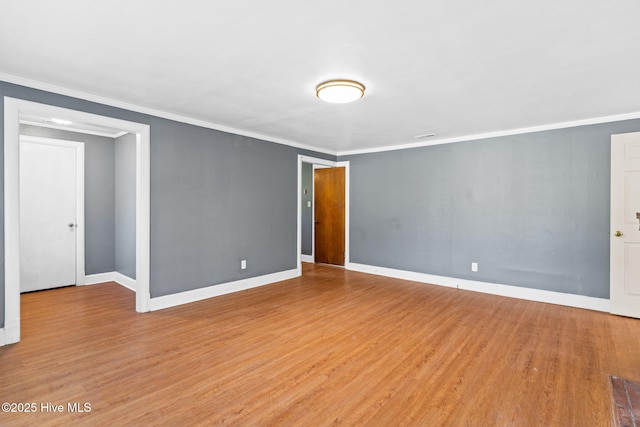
(553, 126)
(34, 84)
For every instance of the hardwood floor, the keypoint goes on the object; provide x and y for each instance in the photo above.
(331, 348)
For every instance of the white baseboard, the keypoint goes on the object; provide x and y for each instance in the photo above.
(221, 289)
(571, 300)
(10, 333)
(307, 258)
(94, 279)
(112, 276)
(125, 281)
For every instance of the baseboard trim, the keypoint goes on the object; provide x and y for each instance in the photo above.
(112, 276)
(125, 281)
(94, 279)
(307, 258)
(10, 333)
(194, 295)
(551, 297)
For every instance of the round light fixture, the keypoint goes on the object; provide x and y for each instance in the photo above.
(340, 91)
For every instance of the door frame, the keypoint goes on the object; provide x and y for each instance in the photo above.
(323, 163)
(80, 224)
(12, 109)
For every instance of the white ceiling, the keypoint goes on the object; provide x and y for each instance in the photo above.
(454, 68)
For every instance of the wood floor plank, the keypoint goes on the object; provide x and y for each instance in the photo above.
(333, 347)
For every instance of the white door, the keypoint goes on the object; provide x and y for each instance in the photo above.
(47, 216)
(625, 225)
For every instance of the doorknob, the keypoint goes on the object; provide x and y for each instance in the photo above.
(618, 233)
(71, 225)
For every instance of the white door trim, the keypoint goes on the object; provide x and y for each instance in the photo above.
(347, 185)
(12, 110)
(326, 163)
(79, 231)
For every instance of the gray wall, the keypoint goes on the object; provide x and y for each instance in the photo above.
(531, 209)
(125, 205)
(99, 195)
(307, 212)
(216, 198)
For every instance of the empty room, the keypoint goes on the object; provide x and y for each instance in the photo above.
(344, 213)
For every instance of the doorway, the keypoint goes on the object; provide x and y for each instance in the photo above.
(625, 224)
(309, 206)
(51, 213)
(13, 110)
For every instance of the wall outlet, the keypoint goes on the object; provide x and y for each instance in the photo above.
(474, 267)
(308, 203)
(243, 264)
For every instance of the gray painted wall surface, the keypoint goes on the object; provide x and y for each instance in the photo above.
(99, 195)
(216, 198)
(125, 205)
(307, 212)
(531, 209)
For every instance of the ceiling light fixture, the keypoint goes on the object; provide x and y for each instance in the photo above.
(340, 91)
(58, 122)
(426, 135)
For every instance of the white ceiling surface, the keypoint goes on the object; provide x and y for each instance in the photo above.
(455, 68)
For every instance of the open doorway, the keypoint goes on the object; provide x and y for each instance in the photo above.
(13, 112)
(307, 208)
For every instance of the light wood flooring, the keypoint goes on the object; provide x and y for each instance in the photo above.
(331, 348)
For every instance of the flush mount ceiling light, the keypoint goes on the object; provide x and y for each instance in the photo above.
(425, 135)
(340, 91)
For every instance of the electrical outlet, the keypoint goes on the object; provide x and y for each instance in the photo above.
(243, 264)
(474, 267)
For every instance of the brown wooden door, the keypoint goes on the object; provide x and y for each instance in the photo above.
(329, 215)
